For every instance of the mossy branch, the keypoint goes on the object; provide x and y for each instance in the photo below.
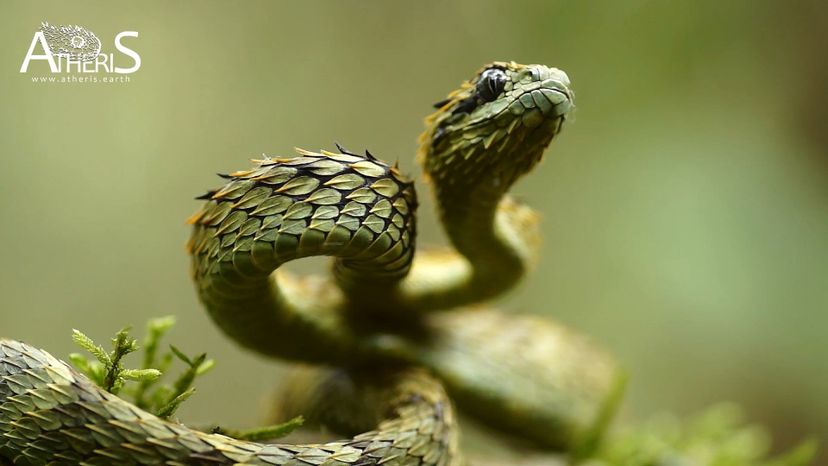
(107, 369)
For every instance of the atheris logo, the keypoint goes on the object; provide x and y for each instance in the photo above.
(74, 49)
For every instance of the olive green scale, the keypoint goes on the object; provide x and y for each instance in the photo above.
(354, 207)
(52, 415)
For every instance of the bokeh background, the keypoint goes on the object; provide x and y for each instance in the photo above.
(685, 208)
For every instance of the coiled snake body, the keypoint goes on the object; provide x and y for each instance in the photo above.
(398, 326)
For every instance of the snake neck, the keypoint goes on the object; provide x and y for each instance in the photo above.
(494, 240)
(481, 226)
(480, 141)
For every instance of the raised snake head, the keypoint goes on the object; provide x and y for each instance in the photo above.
(496, 125)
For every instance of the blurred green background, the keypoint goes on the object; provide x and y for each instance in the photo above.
(685, 207)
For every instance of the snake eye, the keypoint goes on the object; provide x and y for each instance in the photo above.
(491, 84)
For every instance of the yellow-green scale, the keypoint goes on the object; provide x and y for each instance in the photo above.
(354, 208)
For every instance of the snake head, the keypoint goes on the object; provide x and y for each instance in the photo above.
(495, 125)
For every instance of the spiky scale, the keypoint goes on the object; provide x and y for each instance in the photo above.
(349, 222)
(369, 169)
(355, 209)
(324, 226)
(401, 205)
(382, 208)
(394, 232)
(379, 246)
(272, 221)
(217, 213)
(253, 198)
(299, 186)
(232, 222)
(293, 227)
(266, 235)
(386, 187)
(361, 240)
(346, 182)
(250, 226)
(234, 190)
(298, 211)
(375, 223)
(326, 212)
(326, 167)
(273, 205)
(325, 196)
(343, 157)
(277, 175)
(362, 195)
(398, 220)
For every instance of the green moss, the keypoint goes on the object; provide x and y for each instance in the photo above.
(717, 437)
(148, 391)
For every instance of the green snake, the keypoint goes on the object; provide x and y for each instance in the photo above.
(398, 338)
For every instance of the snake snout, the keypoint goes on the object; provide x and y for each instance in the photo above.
(548, 101)
(544, 94)
(555, 89)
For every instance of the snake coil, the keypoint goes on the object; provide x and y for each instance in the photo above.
(396, 330)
